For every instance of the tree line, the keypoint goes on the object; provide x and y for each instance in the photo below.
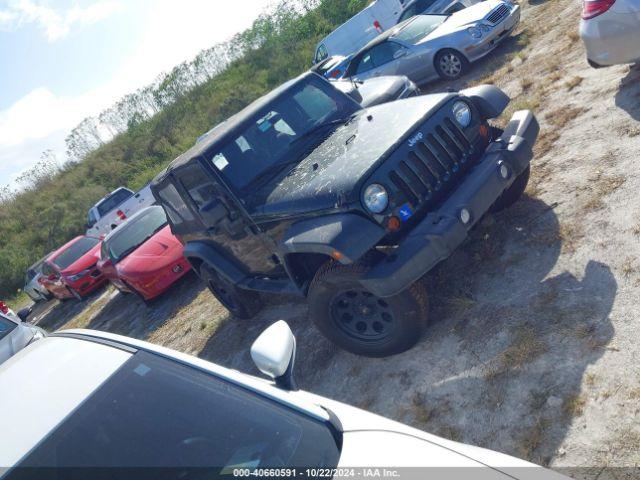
(129, 143)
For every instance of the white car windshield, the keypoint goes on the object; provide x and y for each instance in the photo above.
(419, 27)
(155, 414)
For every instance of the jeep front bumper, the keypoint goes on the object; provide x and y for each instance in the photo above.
(444, 229)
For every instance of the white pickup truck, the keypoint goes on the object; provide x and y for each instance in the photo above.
(116, 207)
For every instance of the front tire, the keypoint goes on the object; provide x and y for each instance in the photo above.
(450, 64)
(76, 294)
(512, 194)
(241, 303)
(360, 322)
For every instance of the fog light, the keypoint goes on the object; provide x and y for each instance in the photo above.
(465, 216)
(504, 171)
(177, 268)
(393, 224)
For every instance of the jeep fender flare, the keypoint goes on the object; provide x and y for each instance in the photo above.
(345, 237)
(197, 253)
(489, 99)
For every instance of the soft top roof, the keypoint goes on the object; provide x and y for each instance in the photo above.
(219, 135)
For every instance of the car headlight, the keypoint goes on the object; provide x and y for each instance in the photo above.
(376, 198)
(475, 32)
(462, 113)
(484, 28)
(78, 276)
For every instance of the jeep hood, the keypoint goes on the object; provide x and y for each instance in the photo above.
(330, 175)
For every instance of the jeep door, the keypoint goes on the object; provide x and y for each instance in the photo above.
(223, 222)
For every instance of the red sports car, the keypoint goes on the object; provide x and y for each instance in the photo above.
(71, 271)
(142, 256)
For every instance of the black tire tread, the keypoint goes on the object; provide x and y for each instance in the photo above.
(416, 291)
(249, 303)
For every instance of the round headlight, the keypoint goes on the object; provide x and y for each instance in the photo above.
(462, 114)
(376, 198)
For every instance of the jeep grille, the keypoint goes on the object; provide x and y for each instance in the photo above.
(433, 164)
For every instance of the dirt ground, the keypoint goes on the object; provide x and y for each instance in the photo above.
(532, 348)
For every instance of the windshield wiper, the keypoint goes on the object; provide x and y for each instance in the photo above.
(319, 127)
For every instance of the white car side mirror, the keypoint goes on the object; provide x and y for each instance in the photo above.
(274, 353)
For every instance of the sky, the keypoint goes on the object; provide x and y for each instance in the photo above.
(64, 60)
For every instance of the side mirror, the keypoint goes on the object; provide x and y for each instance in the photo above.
(24, 313)
(213, 212)
(274, 353)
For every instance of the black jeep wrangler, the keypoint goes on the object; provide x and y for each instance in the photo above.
(305, 192)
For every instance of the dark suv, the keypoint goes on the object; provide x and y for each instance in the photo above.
(305, 192)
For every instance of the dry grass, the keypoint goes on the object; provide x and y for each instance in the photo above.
(421, 412)
(590, 379)
(626, 443)
(634, 393)
(525, 348)
(570, 234)
(460, 304)
(449, 432)
(532, 438)
(574, 405)
(600, 186)
(573, 36)
(573, 82)
(636, 229)
(629, 267)
(560, 117)
(526, 84)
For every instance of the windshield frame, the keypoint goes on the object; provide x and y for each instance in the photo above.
(297, 150)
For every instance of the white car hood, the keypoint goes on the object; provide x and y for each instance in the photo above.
(372, 440)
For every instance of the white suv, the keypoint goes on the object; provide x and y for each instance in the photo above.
(97, 405)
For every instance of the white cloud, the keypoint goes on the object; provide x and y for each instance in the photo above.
(55, 24)
(173, 32)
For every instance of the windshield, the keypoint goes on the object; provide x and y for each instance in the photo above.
(134, 233)
(157, 413)
(74, 252)
(419, 27)
(112, 202)
(272, 138)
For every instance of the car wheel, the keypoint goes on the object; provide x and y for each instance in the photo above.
(512, 194)
(450, 64)
(135, 292)
(360, 322)
(241, 303)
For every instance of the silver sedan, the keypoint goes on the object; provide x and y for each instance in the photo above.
(610, 30)
(427, 46)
